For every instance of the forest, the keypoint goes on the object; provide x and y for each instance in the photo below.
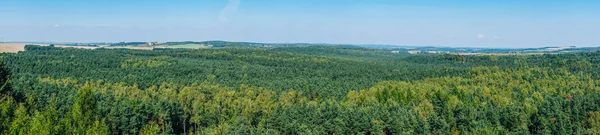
(291, 90)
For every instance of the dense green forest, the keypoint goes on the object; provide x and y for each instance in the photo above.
(295, 90)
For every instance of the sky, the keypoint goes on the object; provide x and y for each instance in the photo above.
(451, 23)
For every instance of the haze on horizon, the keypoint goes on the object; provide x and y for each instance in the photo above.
(464, 23)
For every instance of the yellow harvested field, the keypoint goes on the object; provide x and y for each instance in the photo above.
(12, 47)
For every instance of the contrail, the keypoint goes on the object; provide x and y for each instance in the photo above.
(231, 8)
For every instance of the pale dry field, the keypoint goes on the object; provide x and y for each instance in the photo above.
(12, 47)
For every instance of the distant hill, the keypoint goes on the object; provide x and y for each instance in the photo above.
(410, 49)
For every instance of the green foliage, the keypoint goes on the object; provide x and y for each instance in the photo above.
(150, 63)
(295, 90)
(7, 105)
(592, 123)
(20, 125)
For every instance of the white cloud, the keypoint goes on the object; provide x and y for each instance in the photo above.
(56, 26)
(229, 9)
(480, 36)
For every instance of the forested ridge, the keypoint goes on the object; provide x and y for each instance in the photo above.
(296, 90)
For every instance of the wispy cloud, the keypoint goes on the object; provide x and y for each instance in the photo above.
(480, 36)
(56, 26)
(229, 9)
(496, 37)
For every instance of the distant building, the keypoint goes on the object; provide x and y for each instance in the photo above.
(414, 52)
(559, 48)
(396, 52)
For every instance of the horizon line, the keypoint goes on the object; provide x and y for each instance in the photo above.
(314, 43)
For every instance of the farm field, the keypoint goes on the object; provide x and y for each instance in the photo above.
(12, 47)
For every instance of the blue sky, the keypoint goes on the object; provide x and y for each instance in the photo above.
(464, 23)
